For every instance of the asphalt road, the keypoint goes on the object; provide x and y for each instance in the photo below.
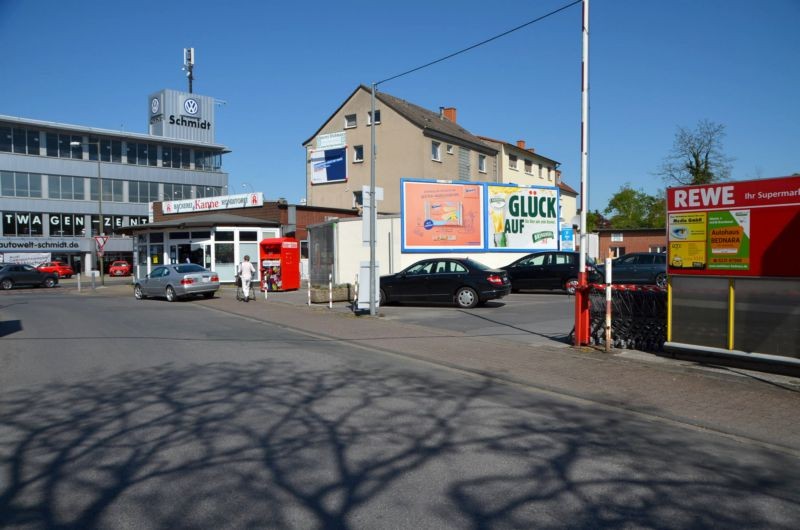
(117, 413)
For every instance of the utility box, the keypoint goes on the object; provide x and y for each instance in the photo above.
(279, 264)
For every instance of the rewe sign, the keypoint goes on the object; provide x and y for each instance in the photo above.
(747, 228)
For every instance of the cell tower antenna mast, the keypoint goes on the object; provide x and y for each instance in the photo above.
(188, 65)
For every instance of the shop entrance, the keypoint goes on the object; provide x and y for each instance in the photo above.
(180, 253)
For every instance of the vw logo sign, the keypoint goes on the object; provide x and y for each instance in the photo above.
(154, 105)
(191, 106)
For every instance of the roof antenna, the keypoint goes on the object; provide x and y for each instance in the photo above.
(188, 65)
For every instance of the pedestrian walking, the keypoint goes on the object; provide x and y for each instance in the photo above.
(246, 272)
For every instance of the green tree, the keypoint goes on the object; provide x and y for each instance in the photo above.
(595, 220)
(697, 156)
(631, 208)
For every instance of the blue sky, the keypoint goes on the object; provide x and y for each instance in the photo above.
(284, 67)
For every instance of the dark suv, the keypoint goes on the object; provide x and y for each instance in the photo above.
(639, 267)
(549, 270)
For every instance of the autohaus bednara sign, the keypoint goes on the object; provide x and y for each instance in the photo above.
(226, 202)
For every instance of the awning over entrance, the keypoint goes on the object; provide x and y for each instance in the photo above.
(196, 221)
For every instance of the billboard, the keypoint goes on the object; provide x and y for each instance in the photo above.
(747, 228)
(328, 165)
(522, 218)
(441, 216)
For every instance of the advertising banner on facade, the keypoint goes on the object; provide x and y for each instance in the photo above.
(522, 218)
(442, 216)
(226, 202)
(748, 228)
(328, 165)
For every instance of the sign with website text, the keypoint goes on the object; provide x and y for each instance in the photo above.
(522, 218)
(747, 228)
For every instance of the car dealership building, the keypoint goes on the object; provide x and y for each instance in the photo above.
(61, 184)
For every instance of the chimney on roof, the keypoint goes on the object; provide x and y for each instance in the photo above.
(449, 113)
(521, 144)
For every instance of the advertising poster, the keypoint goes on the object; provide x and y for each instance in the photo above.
(328, 165)
(752, 228)
(687, 240)
(442, 217)
(729, 240)
(522, 218)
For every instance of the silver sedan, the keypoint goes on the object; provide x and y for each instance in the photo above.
(177, 281)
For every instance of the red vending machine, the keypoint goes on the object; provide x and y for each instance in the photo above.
(279, 261)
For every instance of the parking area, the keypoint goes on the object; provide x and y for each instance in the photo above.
(529, 317)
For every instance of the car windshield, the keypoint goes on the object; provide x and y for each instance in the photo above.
(189, 267)
(119, 264)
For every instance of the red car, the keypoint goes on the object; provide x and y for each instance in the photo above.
(58, 267)
(119, 268)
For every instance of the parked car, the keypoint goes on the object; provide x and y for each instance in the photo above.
(639, 267)
(63, 270)
(549, 270)
(119, 268)
(177, 281)
(462, 281)
(13, 274)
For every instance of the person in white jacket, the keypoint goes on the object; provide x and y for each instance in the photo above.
(246, 272)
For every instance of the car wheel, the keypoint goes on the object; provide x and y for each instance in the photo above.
(170, 292)
(208, 295)
(661, 280)
(137, 293)
(466, 298)
(49, 282)
(571, 285)
(7, 284)
(384, 298)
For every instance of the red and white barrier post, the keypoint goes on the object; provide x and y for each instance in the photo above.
(608, 301)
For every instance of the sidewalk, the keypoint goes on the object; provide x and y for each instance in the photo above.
(752, 405)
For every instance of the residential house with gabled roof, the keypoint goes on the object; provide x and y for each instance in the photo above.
(519, 164)
(415, 142)
(411, 142)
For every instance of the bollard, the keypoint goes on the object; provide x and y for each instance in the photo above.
(309, 292)
(78, 276)
(355, 295)
(330, 291)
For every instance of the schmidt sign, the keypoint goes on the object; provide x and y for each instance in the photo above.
(181, 115)
(248, 200)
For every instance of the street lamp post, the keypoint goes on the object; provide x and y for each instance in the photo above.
(100, 231)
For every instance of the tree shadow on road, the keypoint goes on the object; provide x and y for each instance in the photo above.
(274, 444)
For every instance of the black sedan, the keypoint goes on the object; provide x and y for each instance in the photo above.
(13, 274)
(549, 270)
(462, 281)
(639, 267)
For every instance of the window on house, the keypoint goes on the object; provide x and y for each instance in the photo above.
(657, 249)
(617, 251)
(358, 153)
(616, 237)
(377, 117)
(350, 121)
(549, 174)
(482, 163)
(512, 161)
(528, 167)
(436, 151)
(449, 149)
